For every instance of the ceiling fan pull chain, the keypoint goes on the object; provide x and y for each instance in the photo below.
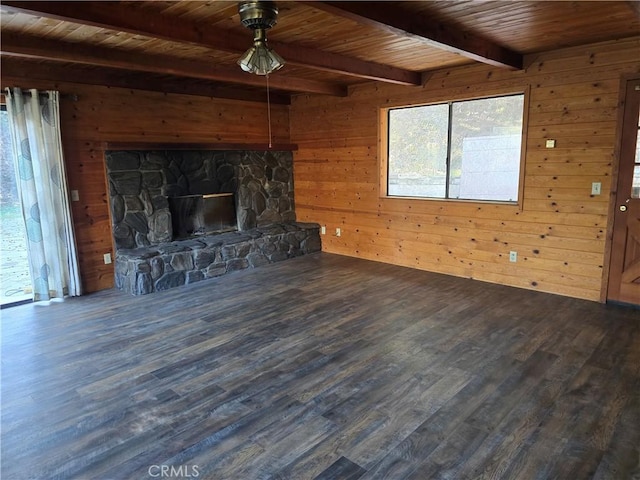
(269, 110)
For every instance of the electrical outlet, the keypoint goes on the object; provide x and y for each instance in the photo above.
(596, 188)
(338, 232)
(550, 144)
(323, 230)
(513, 256)
(75, 196)
(107, 258)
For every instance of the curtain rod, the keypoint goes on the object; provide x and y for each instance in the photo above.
(71, 96)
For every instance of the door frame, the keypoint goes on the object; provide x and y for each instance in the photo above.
(606, 267)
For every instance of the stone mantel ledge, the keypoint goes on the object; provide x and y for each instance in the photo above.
(159, 267)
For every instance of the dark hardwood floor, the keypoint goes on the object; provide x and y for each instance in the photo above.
(322, 367)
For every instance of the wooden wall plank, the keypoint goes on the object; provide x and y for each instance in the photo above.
(559, 230)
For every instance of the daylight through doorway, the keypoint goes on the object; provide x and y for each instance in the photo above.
(15, 281)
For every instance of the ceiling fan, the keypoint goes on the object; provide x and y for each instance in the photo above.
(259, 16)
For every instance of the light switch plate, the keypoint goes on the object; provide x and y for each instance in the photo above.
(596, 188)
(75, 196)
(551, 144)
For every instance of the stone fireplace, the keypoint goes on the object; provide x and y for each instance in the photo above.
(142, 182)
(168, 233)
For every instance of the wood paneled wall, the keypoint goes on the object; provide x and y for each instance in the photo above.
(559, 230)
(91, 116)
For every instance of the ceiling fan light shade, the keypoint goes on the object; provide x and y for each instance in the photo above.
(260, 60)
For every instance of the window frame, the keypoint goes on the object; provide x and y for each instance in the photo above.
(383, 146)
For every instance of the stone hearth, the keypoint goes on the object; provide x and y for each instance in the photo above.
(149, 269)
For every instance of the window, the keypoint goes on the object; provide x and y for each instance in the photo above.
(467, 150)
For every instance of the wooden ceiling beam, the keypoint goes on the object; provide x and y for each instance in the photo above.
(390, 18)
(56, 50)
(17, 72)
(118, 17)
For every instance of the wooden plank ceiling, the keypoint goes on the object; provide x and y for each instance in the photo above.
(191, 47)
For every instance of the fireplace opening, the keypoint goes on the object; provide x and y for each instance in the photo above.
(193, 215)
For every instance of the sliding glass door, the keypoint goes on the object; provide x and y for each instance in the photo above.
(15, 281)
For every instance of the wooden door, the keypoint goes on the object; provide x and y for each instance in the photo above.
(624, 273)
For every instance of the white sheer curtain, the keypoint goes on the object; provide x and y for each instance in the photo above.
(34, 120)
